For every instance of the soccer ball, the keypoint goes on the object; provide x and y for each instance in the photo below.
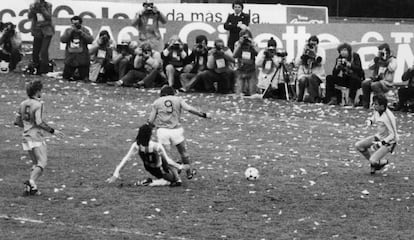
(251, 174)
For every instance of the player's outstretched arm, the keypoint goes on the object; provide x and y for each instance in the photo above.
(45, 126)
(132, 151)
(194, 111)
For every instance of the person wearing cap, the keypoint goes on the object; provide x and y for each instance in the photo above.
(383, 67)
(347, 72)
(270, 61)
(147, 21)
(196, 63)
(147, 69)
(166, 116)
(236, 22)
(311, 71)
(77, 38)
(245, 52)
(122, 59)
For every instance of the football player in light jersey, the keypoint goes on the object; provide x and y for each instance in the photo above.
(165, 115)
(386, 138)
(29, 117)
(155, 159)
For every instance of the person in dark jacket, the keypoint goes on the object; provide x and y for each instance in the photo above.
(40, 12)
(346, 73)
(406, 93)
(236, 22)
(77, 38)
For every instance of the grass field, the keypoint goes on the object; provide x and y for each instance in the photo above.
(313, 184)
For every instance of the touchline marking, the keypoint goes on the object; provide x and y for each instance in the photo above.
(101, 229)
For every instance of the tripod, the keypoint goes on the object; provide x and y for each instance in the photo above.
(282, 73)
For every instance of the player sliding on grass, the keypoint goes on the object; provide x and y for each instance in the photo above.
(29, 117)
(384, 140)
(155, 159)
(166, 115)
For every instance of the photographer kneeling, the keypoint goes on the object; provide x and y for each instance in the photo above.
(77, 38)
(311, 71)
(384, 66)
(10, 45)
(346, 73)
(101, 56)
(273, 74)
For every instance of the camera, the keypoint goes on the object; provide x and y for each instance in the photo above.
(149, 7)
(122, 47)
(104, 40)
(281, 53)
(176, 46)
(246, 40)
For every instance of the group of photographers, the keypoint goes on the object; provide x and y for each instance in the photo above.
(237, 68)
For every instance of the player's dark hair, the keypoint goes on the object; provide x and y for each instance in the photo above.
(381, 100)
(167, 90)
(237, 2)
(144, 134)
(33, 87)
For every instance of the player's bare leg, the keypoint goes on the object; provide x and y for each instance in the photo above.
(185, 159)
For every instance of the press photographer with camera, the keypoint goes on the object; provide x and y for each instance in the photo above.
(273, 73)
(77, 38)
(347, 72)
(122, 58)
(174, 57)
(42, 29)
(406, 93)
(311, 71)
(147, 22)
(147, 69)
(219, 62)
(10, 47)
(196, 62)
(245, 53)
(383, 66)
(101, 56)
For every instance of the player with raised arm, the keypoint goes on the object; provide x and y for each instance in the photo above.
(166, 115)
(29, 117)
(155, 159)
(386, 138)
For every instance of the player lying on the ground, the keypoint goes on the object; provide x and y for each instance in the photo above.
(29, 117)
(166, 115)
(155, 159)
(386, 138)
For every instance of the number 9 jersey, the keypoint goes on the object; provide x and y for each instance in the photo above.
(167, 111)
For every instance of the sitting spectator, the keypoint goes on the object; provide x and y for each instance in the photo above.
(77, 38)
(147, 21)
(311, 71)
(101, 55)
(347, 72)
(197, 62)
(383, 66)
(406, 93)
(146, 72)
(219, 62)
(122, 58)
(273, 73)
(174, 56)
(10, 46)
(245, 52)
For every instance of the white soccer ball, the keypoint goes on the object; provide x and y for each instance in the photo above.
(251, 174)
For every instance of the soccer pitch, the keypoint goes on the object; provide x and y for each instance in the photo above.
(313, 184)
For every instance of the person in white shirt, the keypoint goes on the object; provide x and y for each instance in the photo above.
(155, 159)
(386, 138)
